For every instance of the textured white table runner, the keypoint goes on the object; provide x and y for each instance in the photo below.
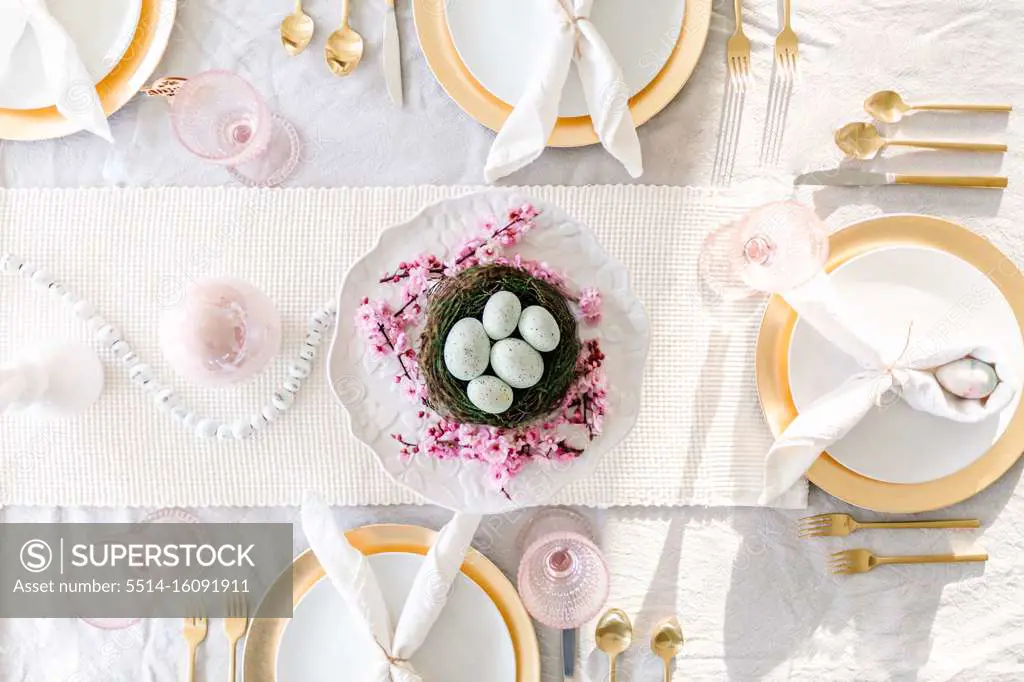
(700, 438)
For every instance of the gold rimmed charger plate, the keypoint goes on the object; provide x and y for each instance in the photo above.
(570, 131)
(138, 63)
(264, 638)
(772, 366)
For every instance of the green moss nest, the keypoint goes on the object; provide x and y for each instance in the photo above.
(465, 295)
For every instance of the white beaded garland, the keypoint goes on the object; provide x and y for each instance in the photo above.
(84, 309)
(299, 368)
(95, 323)
(207, 428)
(109, 337)
(42, 278)
(108, 334)
(242, 429)
(120, 349)
(282, 400)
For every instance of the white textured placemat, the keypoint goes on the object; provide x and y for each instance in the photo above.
(700, 438)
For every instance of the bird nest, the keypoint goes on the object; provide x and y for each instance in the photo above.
(465, 295)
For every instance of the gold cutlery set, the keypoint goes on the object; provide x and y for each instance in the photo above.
(737, 49)
(343, 49)
(852, 561)
(614, 635)
(235, 626)
(865, 141)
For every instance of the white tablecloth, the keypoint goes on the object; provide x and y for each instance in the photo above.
(755, 602)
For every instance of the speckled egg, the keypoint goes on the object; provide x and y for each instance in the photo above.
(501, 314)
(467, 349)
(968, 378)
(539, 329)
(519, 365)
(490, 394)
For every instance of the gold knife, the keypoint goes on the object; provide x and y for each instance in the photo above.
(859, 178)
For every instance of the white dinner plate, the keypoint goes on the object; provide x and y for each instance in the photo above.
(500, 42)
(102, 31)
(469, 642)
(945, 298)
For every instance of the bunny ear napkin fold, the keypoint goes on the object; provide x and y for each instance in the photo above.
(892, 370)
(352, 575)
(573, 38)
(69, 82)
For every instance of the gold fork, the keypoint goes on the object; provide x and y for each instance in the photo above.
(194, 632)
(737, 50)
(786, 45)
(235, 626)
(841, 525)
(862, 561)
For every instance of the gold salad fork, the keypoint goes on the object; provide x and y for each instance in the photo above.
(862, 561)
(235, 626)
(787, 47)
(841, 525)
(737, 50)
(194, 632)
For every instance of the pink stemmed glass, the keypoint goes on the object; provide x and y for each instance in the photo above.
(161, 516)
(774, 248)
(563, 577)
(219, 117)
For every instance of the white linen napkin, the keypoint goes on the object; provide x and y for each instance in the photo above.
(525, 133)
(351, 574)
(69, 82)
(891, 371)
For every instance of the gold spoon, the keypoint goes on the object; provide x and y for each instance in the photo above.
(344, 47)
(296, 30)
(863, 141)
(613, 634)
(888, 107)
(667, 642)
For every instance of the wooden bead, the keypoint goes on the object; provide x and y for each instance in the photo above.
(84, 310)
(299, 368)
(108, 334)
(207, 428)
(282, 400)
(242, 429)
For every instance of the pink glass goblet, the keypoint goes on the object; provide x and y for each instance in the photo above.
(161, 516)
(222, 332)
(772, 249)
(219, 117)
(563, 578)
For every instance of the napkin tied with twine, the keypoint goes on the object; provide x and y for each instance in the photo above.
(889, 373)
(526, 131)
(68, 81)
(352, 575)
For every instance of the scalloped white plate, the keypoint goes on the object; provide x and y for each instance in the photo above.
(375, 410)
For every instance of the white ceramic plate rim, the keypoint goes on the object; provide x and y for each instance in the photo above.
(324, 583)
(39, 97)
(868, 468)
(639, 68)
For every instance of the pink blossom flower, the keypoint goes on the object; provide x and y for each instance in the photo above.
(590, 306)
